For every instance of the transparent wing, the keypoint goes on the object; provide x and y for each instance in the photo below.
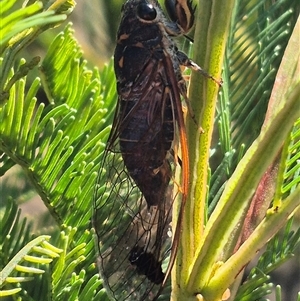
(123, 221)
(134, 238)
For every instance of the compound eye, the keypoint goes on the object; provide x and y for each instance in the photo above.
(146, 12)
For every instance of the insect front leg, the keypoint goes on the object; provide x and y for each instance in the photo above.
(181, 12)
(184, 60)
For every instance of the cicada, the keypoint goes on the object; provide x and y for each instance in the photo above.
(136, 188)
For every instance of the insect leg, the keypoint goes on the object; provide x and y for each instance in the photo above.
(181, 12)
(185, 61)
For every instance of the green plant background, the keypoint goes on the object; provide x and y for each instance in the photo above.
(48, 166)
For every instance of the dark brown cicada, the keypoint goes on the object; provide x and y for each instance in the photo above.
(133, 207)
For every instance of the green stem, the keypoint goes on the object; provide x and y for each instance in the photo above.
(237, 194)
(271, 224)
(210, 38)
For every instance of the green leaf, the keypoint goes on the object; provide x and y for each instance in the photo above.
(22, 257)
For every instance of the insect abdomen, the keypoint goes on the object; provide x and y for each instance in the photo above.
(147, 264)
(144, 144)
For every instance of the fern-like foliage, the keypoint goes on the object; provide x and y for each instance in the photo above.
(258, 36)
(58, 146)
(19, 28)
(281, 248)
(20, 257)
(69, 281)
